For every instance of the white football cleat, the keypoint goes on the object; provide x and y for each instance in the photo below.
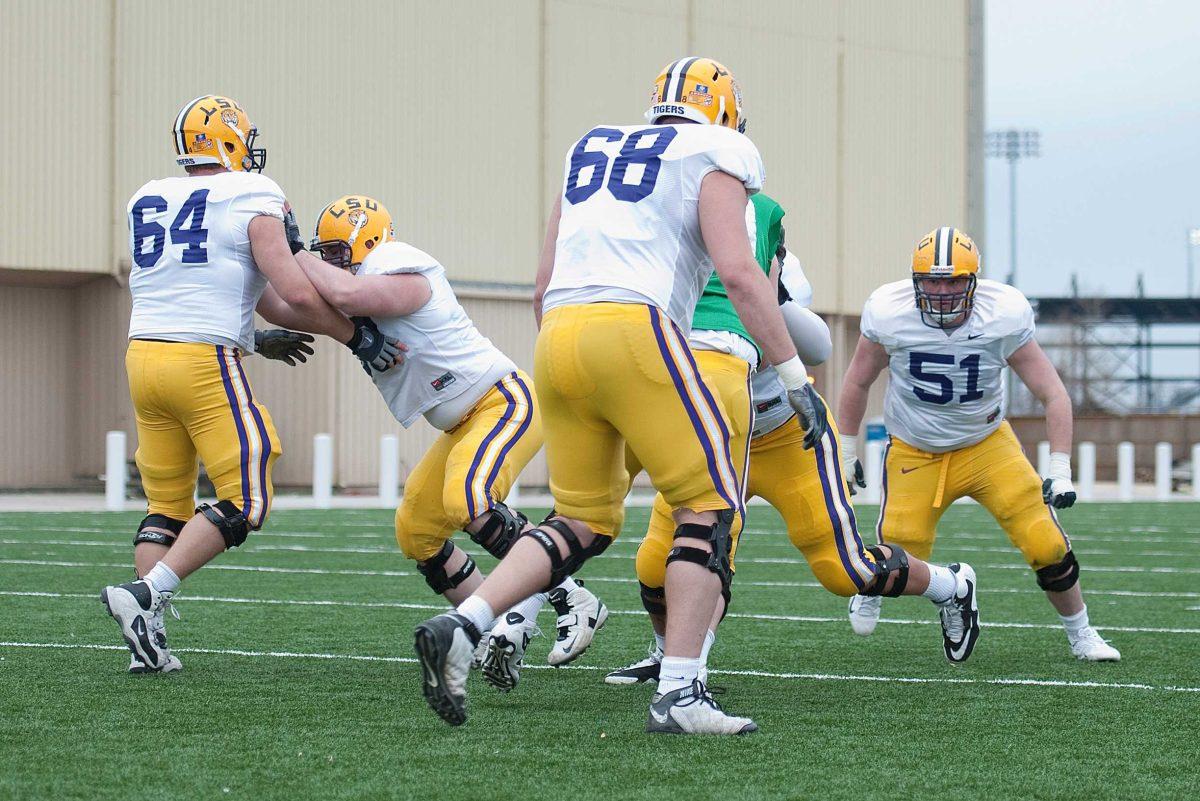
(693, 710)
(134, 605)
(1091, 647)
(580, 615)
(864, 613)
(639, 672)
(505, 652)
(444, 646)
(960, 615)
(158, 631)
(481, 650)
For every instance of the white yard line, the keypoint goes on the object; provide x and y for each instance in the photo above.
(590, 578)
(183, 600)
(1099, 685)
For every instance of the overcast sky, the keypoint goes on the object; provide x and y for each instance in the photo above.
(1114, 88)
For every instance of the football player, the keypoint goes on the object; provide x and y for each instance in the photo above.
(946, 336)
(476, 396)
(209, 247)
(645, 214)
(805, 486)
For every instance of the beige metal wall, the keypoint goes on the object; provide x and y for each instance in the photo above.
(457, 115)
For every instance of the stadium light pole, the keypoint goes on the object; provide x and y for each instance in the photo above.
(1193, 241)
(1013, 145)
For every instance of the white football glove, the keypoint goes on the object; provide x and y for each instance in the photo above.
(852, 469)
(1057, 489)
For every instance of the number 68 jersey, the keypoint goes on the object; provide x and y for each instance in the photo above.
(945, 388)
(630, 230)
(193, 278)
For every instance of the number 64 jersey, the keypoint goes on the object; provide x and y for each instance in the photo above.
(629, 230)
(193, 278)
(945, 388)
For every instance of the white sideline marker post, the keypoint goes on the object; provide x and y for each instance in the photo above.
(1125, 471)
(322, 490)
(114, 471)
(1162, 471)
(874, 471)
(1087, 471)
(1195, 474)
(389, 470)
(1043, 456)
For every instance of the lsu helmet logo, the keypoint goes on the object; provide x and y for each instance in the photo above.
(698, 89)
(945, 271)
(349, 228)
(215, 130)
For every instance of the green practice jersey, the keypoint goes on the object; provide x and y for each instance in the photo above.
(714, 311)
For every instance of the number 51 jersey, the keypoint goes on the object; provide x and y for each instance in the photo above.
(630, 228)
(945, 388)
(193, 278)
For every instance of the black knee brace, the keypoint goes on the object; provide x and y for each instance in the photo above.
(500, 530)
(166, 530)
(717, 535)
(654, 599)
(897, 562)
(577, 554)
(1059, 577)
(434, 570)
(229, 520)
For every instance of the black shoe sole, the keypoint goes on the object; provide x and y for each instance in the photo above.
(433, 663)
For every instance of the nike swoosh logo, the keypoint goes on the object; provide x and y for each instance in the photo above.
(657, 717)
(907, 470)
(974, 336)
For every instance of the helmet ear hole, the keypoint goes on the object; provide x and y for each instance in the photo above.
(370, 243)
(229, 147)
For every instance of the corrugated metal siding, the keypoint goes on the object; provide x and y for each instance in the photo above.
(99, 388)
(36, 395)
(431, 108)
(56, 129)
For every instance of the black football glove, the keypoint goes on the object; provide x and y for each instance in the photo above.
(856, 478)
(375, 350)
(810, 410)
(283, 345)
(292, 231)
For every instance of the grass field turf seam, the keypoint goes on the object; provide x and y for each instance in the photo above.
(855, 718)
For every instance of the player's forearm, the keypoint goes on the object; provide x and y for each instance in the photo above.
(852, 406)
(1060, 423)
(334, 325)
(757, 305)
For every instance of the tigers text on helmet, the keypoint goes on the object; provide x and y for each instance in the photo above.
(698, 89)
(943, 256)
(349, 228)
(215, 130)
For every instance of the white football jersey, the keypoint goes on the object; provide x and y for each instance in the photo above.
(449, 365)
(630, 228)
(193, 278)
(769, 396)
(946, 387)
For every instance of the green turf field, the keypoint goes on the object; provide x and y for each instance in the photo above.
(299, 680)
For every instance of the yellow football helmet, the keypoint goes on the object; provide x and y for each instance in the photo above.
(940, 262)
(699, 89)
(215, 130)
(349, 228)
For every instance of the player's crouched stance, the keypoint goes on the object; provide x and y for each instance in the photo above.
(945, 412)
(474, 394)
(193, 303)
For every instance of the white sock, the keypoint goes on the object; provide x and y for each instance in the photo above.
(709, 639)
(530, 607)
(660, 642)
(477, 610)
(1076, 623)
(677, 672)
(162, 578)
(569, 584)
(942, 582)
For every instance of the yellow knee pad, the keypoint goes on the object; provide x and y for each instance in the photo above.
(414, 544)
(1041, 541)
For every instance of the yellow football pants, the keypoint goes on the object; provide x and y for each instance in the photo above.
(469, 468)
(919, 486)
(193, 399)
(806, 488)
(729, 379)
(611, 374)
